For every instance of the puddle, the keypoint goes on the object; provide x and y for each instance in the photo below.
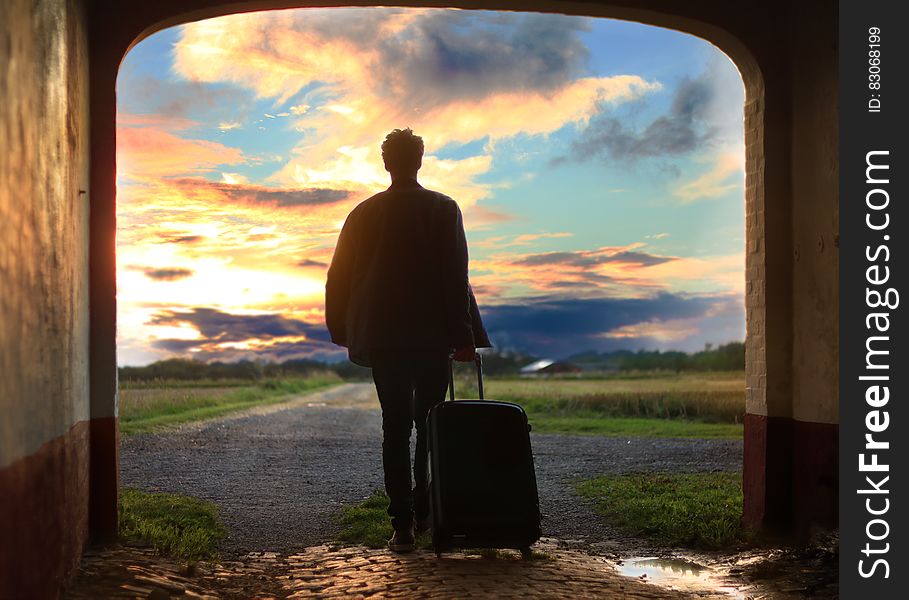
(316, 404)
(678, 574)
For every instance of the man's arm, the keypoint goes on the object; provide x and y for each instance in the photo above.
(455, 283)
(337, 285)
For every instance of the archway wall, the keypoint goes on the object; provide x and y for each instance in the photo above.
(815, 264)
(786, 54)
(44, 282)
(54, 100)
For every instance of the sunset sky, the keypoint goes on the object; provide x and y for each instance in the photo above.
(598, 164)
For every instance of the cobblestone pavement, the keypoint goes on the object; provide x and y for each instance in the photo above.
(357, 572)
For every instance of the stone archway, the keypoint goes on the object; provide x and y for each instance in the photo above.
(791, 305)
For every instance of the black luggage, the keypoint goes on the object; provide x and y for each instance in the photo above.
(483, 489)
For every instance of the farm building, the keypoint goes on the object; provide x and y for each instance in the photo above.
(549, 367)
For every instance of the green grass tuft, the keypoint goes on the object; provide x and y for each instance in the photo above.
(582, 422)
(176, 525)
(695, 510)
(368, 524)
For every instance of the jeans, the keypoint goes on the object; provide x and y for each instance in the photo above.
(408, 387)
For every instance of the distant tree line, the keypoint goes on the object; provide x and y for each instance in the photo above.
(727, 357)
(195, 370)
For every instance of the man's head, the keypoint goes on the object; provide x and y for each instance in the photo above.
(402, 152)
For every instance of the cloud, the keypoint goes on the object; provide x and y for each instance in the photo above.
(432, 56)
(221, 335)
(216, 325)
(453, 76)
(164, 274)
(679, 132)
(587, 259)
(308, 263)
(703, 114)
(165, 122)
(254, 194)
(726, 175)
(455, 55)
(172, 238)
(149, 152)
(479, 217)
(563, 326)
(179, 98)
(524, 239)
(616, 271)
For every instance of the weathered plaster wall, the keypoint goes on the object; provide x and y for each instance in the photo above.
(815, 216)
(43, 224)
(815, 266)
(44, 395)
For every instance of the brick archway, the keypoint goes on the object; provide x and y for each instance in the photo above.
(790, 435)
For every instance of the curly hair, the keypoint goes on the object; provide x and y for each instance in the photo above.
(402, 150)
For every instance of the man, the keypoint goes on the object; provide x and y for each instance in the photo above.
(399, 299)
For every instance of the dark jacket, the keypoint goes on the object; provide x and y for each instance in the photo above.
(398, 279)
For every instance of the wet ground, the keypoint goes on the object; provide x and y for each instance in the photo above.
(130, 571)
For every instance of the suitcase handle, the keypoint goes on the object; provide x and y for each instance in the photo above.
(478, 361)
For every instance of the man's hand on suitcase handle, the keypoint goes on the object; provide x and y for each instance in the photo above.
(464, 354)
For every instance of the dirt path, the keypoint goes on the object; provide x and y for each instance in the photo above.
(280, 472)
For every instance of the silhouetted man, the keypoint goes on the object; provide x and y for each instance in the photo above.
(399, 299)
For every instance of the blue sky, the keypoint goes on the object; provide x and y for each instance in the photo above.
(598, 164)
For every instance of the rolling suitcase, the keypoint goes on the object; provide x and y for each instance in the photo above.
(483, 489)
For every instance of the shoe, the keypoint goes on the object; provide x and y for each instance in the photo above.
(423, 525)
(402, 541)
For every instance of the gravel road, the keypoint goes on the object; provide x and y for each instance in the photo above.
(279, 473)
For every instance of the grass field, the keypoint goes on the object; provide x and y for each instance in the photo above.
(718, 398)
(595, 424)
(656, 404)
(176, 525)
(159, 404)
(694, 510)
(702, 405)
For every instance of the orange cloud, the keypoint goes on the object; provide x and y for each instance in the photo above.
(670, 330)
(151, 152)
(615, 271)
(726, 175)
(363, 94)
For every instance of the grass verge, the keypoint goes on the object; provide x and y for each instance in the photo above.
(695, 510)
(717, 398)
(149, 408)
(176, 525)
(593, 424)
